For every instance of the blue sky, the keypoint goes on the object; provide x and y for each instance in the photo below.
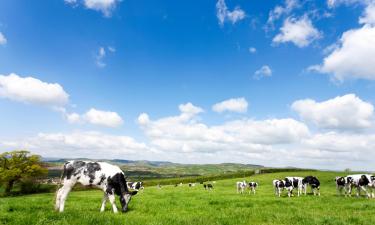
(105, 79)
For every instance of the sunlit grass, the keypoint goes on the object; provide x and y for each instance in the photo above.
(184, 205)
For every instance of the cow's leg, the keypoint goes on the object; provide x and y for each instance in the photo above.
(105, 197)
(365, 190)
(64, 195)
(111, 198)
(58, 197)
(279, 191)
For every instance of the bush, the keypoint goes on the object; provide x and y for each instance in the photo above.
(32, 187)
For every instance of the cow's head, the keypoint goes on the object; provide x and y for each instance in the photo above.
(125, 199)
(364, 180)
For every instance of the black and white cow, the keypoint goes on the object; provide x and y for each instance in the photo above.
(296, 183)
(343, 184)
(363, 182)
(279, 186)
(192, 184)
(135, 185)
(313, 182)
(252, 186)
(102, 175)
(208, 186)
(241, 186)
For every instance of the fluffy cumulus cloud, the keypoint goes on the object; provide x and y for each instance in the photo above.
(96, 117)
(300, 32)
(353, 56)
(3, 40)
(79, 144)
(104, 6)
(273, 142)
(238, 105)
(343, 112)
(264, 71)
(186, 135)
(223, 14)
(32, 91)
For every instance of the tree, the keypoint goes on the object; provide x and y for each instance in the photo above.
(17, 166)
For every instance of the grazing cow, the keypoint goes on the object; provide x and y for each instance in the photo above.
(252, 187)
(208, 186)
(135, 185)
(191, 184)
(364, 182)
(343, 183)
(289, 186)
(313, 182)
(297, 184)
(241, 186)
(279, 186)
(102, 175)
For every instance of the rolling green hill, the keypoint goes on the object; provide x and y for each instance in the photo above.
(142, 170)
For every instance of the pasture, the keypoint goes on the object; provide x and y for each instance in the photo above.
(184, 205)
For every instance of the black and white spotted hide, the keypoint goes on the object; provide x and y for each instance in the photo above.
(135, 185)
(102, 175)
(313, 182)
(363, 182)
(252, 187)
(279, 186)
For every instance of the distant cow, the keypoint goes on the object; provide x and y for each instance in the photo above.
(313, 182)
(252, 187)
(191, 184)
(296, 183)
(135, 185)
(279, 186)
(208, 186)
(343, 183)
(102, 175)
(363, 182)
(241, 186)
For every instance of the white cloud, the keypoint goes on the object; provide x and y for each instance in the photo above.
(252, 50)
(279, 11)
(80, 144)
(353, 57)
(185, 135)
(99, 117)
(104, 6)
(3, 40)
(264, 71)
(343, 112)
(183, 138)
(73, 117)
(300, 32)
(100, 57)
(101, 54)
(369, 15)
(32, 91)
(231, 105)
(335, 3)
(224, 14)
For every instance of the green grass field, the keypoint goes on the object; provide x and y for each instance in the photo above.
(184, 205)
